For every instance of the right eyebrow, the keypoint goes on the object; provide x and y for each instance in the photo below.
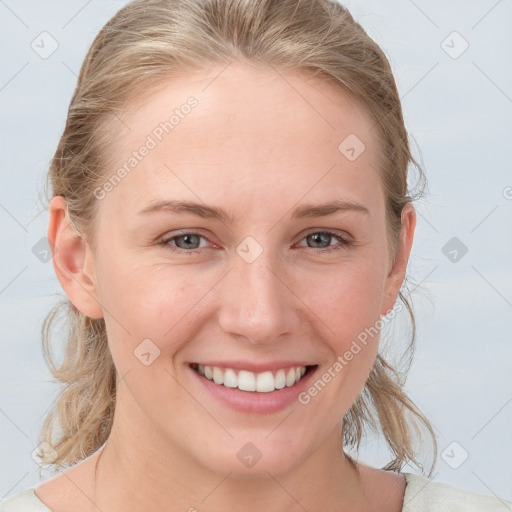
(201, 210)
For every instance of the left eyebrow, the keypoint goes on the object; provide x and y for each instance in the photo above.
(322, 210)
(307, 210)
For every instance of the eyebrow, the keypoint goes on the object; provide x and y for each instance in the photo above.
(308, 210)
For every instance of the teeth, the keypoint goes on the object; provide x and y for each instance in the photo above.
(218, 378)
(290, 377)
(244, 380)
(265, 382)
(280, 381)
(230, 379)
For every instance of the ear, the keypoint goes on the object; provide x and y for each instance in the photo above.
(72, 260)
(396, 274)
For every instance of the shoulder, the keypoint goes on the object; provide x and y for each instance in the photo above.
(425, 495)
(24, 501)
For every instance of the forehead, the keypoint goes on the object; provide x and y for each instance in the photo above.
(247, 132)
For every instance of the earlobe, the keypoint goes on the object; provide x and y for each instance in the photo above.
(396, 275)
(72, 260)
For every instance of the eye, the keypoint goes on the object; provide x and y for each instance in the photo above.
(186, 242)
(323, 239)
(190, 243)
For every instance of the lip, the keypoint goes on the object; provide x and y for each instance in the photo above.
(252, 402)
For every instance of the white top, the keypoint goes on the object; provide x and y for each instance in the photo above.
(421, 495)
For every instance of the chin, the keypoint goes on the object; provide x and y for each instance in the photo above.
(247, 460)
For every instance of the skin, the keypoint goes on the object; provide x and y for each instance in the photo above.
(258, 144)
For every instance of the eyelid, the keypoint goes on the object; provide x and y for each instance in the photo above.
(191, 231)
(344, 239)
(195, 231)
(335, 232)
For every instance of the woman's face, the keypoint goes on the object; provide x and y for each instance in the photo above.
(215, 248)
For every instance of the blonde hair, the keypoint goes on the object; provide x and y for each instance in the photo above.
(143, 45)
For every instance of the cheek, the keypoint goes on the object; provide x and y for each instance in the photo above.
(348, 308)
(144, 302)
(346, 300)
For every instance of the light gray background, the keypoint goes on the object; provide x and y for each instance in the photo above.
(459, 112)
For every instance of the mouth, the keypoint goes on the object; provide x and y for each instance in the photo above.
(253, 382)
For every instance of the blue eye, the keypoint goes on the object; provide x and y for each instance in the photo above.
(189, 242)
(321, 236)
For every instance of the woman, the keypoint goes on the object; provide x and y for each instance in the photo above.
(231, 226)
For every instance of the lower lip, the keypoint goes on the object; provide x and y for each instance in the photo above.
(252, 401)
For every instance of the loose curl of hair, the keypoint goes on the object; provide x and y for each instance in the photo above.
(144, 45)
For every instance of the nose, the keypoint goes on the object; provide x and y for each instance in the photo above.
(256, 301)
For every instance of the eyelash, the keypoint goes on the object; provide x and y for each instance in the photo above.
(343, 242)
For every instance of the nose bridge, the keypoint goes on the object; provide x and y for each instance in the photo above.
(256, 302)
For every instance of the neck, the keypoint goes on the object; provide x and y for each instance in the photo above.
(136, 472)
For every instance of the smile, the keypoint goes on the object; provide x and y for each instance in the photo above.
(244, 380)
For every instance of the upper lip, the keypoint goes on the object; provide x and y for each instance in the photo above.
(255, 367)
